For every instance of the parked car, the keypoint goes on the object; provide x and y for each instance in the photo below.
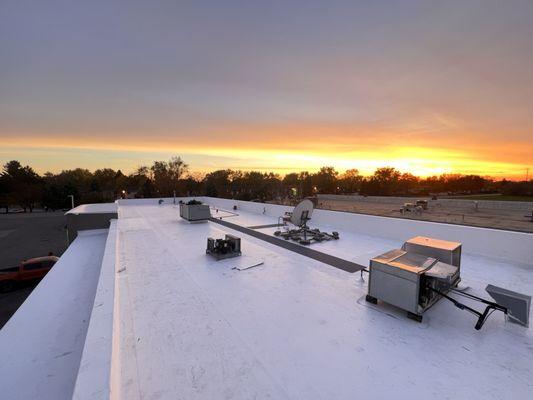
(29, 270)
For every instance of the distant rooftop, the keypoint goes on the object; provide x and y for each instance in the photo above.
(166, 321)
(98, 208)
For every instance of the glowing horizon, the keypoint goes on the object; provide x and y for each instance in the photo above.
(421, 162)
(425, 88)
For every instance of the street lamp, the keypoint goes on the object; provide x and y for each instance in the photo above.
(71, 200)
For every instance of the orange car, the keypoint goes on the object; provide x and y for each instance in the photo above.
(32, 269)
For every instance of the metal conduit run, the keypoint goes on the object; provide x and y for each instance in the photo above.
(336, 262)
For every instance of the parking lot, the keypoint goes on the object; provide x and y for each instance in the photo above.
(24, 236)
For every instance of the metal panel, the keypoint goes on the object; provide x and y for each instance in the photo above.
(82, 222)
(445, 273)
(517, 304)
(394, 290)
(195, 212)
(395, 278)
(443, 250)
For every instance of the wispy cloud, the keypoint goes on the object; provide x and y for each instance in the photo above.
(270, 86)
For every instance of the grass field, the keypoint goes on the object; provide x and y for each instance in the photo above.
(496, 197)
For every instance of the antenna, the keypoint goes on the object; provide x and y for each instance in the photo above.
(71, 200)
(302, 212)
(303, 234)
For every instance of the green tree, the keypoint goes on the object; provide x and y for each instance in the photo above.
(24, 184)
(384, 182)
(407, 183)
(217, 183)
(325, 180)
(350, 181)
(166, 175)
(5, 192)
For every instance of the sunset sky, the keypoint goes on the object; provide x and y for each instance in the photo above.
(428, 87)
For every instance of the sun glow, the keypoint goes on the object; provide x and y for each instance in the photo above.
(419, 161)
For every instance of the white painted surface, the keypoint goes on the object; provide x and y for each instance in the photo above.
(98, 208)
(93, 380)
(41, 345)
(506, 245)
(294, 328)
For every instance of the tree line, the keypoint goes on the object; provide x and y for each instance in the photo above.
(21, 186)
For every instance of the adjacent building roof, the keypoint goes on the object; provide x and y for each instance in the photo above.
(99, 208)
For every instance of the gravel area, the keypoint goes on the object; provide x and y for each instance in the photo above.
(489, 218)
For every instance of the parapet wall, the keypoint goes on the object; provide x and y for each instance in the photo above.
(450, 203)
(496, 243)
(509, 245)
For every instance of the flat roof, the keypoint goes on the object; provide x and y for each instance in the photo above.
(98, 208)
(168, 321)
(294, 327)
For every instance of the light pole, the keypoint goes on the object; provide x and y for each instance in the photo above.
(71, 200)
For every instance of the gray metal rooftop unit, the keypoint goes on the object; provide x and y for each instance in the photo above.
(402, 279)
(443, 250)
(195, 211)
(517, 304)
(220, 249)
(426, 270)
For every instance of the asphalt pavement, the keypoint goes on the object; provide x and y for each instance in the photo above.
(24, 236)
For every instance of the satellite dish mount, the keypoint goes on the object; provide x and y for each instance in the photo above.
(302, 234)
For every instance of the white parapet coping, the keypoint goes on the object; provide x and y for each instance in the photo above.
(41, 345)
(495, 243)
(93, 380)
(98, 208)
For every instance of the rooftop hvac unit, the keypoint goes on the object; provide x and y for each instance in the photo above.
(195, 211)
(403, 279)
(442, 250)
(220, 249)
(425, 270)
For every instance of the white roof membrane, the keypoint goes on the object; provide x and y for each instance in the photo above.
(168, 321)
(42, 343)
(296, 328)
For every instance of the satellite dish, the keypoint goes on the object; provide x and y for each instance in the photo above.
(302, 212)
